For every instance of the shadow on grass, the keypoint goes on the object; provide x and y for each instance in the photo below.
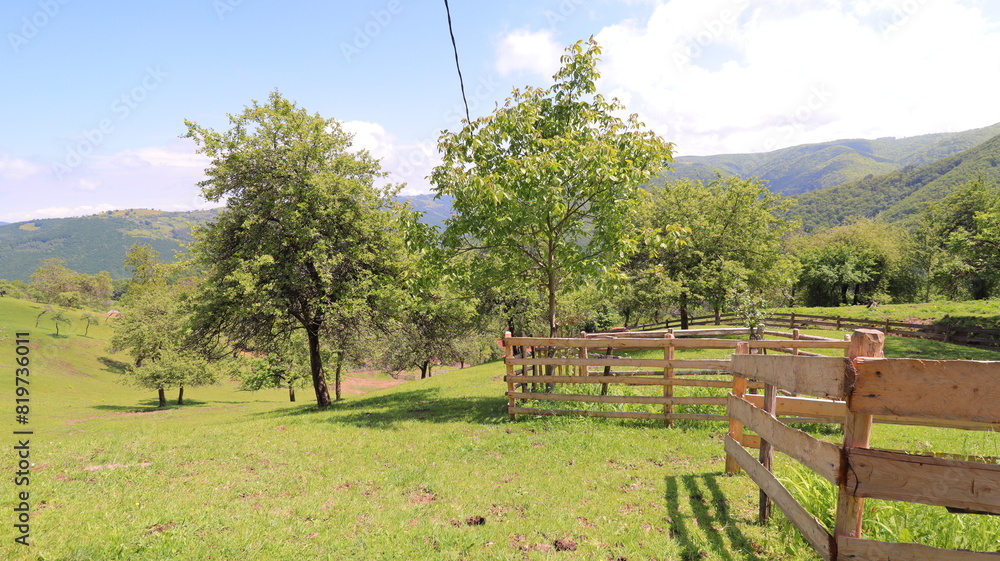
(710, 513)
(113, 366)
(148, 405)
(386, 411)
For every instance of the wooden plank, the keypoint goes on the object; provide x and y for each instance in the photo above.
(818, 455)
(804, 407)
(767, 451)
(623, 340)
(625, 380)
(508, 350)
(736, 427)
(921, 479)
(962, 390)
(800, 344)
(807, 524)
(869, 550)
(750, 441)
(618, 414)
(821, 376)
(647, 400)
(706, 363)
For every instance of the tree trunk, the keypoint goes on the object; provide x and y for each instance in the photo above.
(718, 315)
(180, 396)
(684, 310)
(843, 293)
(340, 361)
(425, 369)
(316, 368)
(163, 397)
(291, 392)
(552, 303)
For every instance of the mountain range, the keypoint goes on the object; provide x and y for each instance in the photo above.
(893, 178)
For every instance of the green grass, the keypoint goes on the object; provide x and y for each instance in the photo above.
(403, 473)
(981, 313)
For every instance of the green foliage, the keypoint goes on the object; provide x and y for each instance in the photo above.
(304, 241)
(855, 263)
(961, 238)
(546, 187)
(60, 317)
(735, 230)
(54, 283)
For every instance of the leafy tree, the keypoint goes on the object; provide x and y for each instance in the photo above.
(857, 262)
(57, 284)
(546, 187)
(959, 251)
(152, 329)
(286, 365)
(60, 318)
(304, 241)
(89, 318)
(735, 228)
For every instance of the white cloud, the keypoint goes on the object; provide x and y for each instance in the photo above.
(535, 52)
(88, 185)
(158, 156)
(17, 168)
(740, 76)
(61, 212)
(371, 137)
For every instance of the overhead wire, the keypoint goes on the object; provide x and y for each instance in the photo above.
(454, 46)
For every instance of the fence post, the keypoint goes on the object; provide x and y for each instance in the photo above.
(736, 427)
(791, 320)
(668, 376)
(767, 451)
(508, 353)
(583, 370)
(857, 434)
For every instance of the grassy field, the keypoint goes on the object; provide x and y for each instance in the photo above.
(430, 469)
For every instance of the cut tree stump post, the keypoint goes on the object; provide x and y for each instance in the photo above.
(736, 427)
(668, 374)
(508, 352)
(857, 434)
(767, 452)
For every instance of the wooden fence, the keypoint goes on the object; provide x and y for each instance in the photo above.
(535, 365)
(972, 336)
(963, 394)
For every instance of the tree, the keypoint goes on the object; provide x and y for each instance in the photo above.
(732, 242)
(61, 318)
(546, 187)
(304, 241)
(151, 330)
(857, 262)
(90, 319)
(959, 250)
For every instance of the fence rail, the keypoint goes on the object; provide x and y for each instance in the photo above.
(534, 363)
(971, 336)
(962, 392)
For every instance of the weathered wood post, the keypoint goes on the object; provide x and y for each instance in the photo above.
(583, 370)
(668, 378)
(736, 427)
(767, 451)
(857, 434)
(791, 320)
(508, 354)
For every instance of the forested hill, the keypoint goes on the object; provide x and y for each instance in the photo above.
(900, 195)
(92, 244)
(808, 167)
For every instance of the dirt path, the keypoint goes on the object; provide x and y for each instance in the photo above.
(349, 384)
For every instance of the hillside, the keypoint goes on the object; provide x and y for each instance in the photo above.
(808, 167)
(91, 244)
(900, 195)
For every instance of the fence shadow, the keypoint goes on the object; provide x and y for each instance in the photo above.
(387, 411)
(710, 512)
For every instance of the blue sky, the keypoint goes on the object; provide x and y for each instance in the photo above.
(96, 93)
